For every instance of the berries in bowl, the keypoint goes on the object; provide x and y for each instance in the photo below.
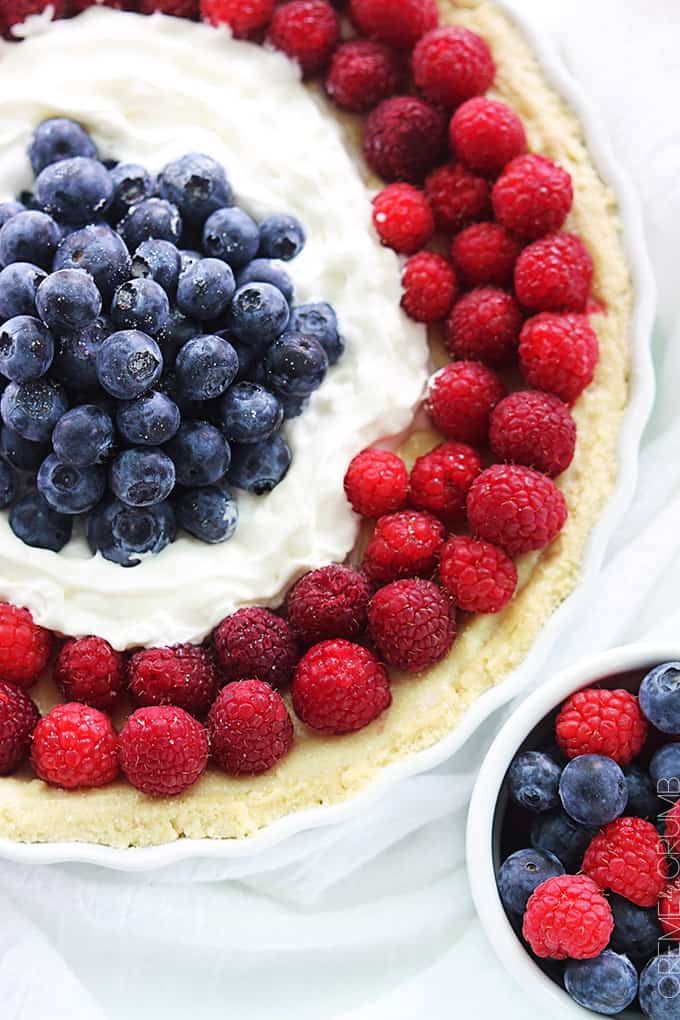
(573, 838)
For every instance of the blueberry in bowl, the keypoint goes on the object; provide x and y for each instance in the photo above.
(573, 840)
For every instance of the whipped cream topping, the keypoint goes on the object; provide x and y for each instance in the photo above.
(150, 89)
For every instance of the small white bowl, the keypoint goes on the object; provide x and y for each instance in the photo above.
(620, 667)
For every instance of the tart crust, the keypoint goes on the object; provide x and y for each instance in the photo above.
(321, 770)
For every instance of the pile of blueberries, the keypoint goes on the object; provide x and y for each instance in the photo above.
(150, 349)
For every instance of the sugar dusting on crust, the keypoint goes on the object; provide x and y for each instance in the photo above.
(325, 771)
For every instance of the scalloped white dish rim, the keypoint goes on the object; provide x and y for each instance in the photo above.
(641, 397)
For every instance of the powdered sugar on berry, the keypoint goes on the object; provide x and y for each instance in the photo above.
(139, 86)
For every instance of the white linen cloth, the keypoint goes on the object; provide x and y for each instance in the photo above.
(373, 919)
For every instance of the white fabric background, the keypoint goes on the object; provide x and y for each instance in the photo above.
(374, 919)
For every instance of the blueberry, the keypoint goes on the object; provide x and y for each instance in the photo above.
(34, 521)
(84, 436)
(563, 837)
(18, 285)
(642, 799)
(637, 931)
(205, 289)
(8, 484)
(205, 367)
(30, 236)
(187, 257)
(75, 358)
(174, 334)
(8, 209)
(56, 139)
(140, 304)
(68, 300)
(200, 452)
(267, 271)
(190, 409)
(533, 781)
(159, 261)
(33, 409)
(259, 467)
(77, 190)
(295, 365)
(21, 453)
(207, 513)
(149, 420)
(320, 321)
(231, 235)
(69, 489)
(293, 407)
(521, 873)
(606, 984)
(660, 987)
(659, 691)
(26, 348)
(142, 477)
(129, 363)
(197, 185)
(249, 413)
(281, 237)
(125, 534)
(664, 768)
(593, 790)
(154, 217)
(100, 252)
(259, 313)
(132, 183)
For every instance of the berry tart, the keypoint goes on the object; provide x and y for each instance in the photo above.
(314, 356)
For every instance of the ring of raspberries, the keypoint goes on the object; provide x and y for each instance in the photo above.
(510, 285)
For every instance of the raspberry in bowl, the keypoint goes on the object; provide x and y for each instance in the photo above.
(573, 834)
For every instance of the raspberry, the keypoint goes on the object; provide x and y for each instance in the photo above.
(362, 74)
(307, 31)
(256, 643)
(451, 65)
(558, 353)
(669, 910)
(430, 287)
(340, 687)
(249, 728)
(601, 722)
(515, 507)
(479, 576)
(328, 603)
(18, 718)
(403, 218)
(177, 8)
(457, 197)
(75, 7)
(535, 429)
(182, 675)
(672, 828)
(460, 399)
(376, 483)
(14, 12)
(485, 254)
(567, 917)
(440, 480)
(404, 137)
(484, 326)
(163, 750)
(397, 24)
(244, 17)
(532, 196)
(403, 545)
(24, 646)
(91, 671)
(74, 746)
(486, 135)
(412, 624)
(554, 274)
(628, 857)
